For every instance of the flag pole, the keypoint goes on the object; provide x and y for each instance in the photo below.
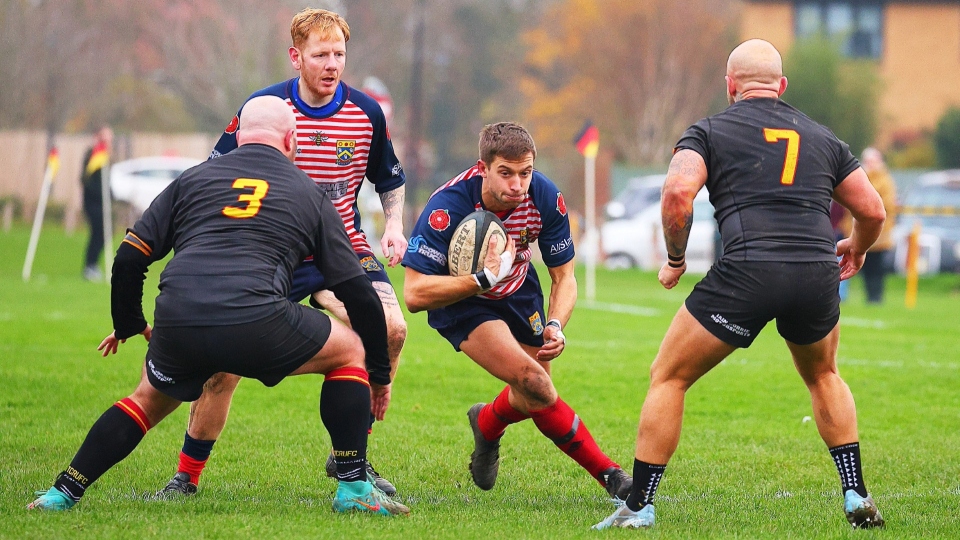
(53, 165)
(588, 144)
(107, 220)
(590, 180)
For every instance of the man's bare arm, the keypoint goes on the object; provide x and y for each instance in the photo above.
(686, 176)
(392, 202)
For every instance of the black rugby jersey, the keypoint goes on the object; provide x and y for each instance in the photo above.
(238, 226)
(771, 175)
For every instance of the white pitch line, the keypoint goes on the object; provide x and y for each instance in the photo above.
(639, 311)
(863, 323)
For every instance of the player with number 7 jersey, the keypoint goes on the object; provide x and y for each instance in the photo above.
(765, 159)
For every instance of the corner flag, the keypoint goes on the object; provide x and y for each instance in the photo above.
(49, 175)
(588, 140)
(53, 162)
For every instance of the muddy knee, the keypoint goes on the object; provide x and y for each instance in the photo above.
(536, 387)
(396, 337)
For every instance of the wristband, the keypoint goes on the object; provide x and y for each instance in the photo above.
(678, 258)
(482, 280)
(673, 264)
(559, 333)
(487, 279)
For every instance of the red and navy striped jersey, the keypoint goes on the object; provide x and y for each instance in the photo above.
(541, 217)
(338, 145)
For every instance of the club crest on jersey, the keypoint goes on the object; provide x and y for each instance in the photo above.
(536, 324)
(370, 264)
(345, 148)
(561, 204)
(319, 138)
(524, 242)
(439, 219)
(232, 126)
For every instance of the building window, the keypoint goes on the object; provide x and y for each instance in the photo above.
(856, 25)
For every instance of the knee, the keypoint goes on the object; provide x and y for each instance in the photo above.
(662, 374)
(536, 387)
(353, 354)
(396, 337)
(821, 377)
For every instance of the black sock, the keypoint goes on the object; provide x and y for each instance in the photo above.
(646, 478)
(345, 412)
(847, 460)
(113, 436)
(196, 448)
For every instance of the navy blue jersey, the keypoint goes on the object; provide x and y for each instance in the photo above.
(540, 217)
(771, 172)
(338, 145)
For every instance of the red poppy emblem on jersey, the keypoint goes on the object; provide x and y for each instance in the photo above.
(561, 204)
(232, 126)
(439, 219)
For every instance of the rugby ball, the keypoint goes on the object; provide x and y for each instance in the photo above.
(471, 241)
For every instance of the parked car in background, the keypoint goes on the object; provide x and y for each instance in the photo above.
(138, 181)
(637, 241)
(933, 202)
(641, 193)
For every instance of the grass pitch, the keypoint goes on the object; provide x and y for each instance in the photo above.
(748, 466)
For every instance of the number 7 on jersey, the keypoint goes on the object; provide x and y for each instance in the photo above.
(793, 151)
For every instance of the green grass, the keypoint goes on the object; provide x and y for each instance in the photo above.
(747, 466)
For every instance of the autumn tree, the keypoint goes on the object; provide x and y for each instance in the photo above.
(839, 93)
(642, 70)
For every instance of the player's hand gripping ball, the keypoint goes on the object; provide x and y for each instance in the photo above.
(471, 241)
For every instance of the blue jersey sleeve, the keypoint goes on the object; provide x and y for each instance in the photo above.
(430, 238)
(228, 140)
(555, 241)
(383, 168)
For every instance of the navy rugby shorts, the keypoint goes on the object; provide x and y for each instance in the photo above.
(307, 279)
(522, 311)
(736, 299)
(180, 359)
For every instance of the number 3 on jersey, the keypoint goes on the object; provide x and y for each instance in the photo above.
(793, 151)
(260, 188)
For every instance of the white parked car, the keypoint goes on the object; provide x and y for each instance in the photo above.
(641, 193)
(932, 203)
(138, 181)
(638, 240)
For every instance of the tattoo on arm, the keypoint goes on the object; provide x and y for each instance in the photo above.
(687, 174)
(386, 294)
(676, 232)
(685, 163)
(392, 202)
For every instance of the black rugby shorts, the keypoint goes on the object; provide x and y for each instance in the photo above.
(736, 299)
(180, 359)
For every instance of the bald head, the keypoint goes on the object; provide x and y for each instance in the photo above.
(872, 160)
(268, 120)
(755, 69)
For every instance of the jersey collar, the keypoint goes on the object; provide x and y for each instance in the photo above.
(339, 97)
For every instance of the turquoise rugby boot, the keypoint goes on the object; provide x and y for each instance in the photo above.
(861, 512)
(362, 496)
(625, 518)
(52, 500)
